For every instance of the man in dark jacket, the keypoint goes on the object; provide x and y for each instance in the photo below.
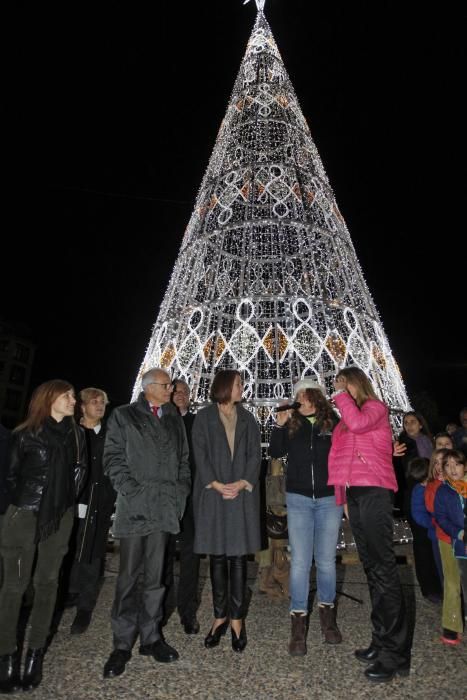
(95, 509)
(146, 459)
(187, 592)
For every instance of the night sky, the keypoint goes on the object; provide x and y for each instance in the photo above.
(112, 112)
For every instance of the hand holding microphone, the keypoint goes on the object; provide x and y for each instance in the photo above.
(284, 411)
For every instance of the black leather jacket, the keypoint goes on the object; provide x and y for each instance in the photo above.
(30, 457)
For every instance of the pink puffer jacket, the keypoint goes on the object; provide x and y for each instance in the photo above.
(361, 450)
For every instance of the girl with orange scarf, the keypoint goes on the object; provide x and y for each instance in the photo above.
(450, 514)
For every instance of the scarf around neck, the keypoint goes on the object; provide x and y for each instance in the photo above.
(460, 486)
(58, 494)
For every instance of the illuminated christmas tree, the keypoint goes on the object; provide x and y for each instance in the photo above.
(267, 279)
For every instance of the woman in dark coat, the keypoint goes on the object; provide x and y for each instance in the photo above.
(45, 468)
(227, 449)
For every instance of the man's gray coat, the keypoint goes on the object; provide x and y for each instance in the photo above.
(146, 459)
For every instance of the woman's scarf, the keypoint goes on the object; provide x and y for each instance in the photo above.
(58, 494)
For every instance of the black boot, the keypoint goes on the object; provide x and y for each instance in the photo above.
(297, 643)
(10, 681)
(32, 675)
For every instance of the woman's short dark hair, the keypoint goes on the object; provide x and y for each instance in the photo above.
(221, 388)
(418, 468)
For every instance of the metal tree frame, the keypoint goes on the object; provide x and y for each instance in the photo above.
(267, 280)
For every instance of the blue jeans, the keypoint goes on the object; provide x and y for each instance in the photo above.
(313, 525)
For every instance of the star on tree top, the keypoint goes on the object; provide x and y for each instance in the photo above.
(259, 4)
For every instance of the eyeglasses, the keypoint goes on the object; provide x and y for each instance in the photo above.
(166, 385)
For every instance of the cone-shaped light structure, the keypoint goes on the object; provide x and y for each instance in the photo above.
(267, 279)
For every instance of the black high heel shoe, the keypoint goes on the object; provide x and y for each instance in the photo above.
(239, 643)
(213, 638)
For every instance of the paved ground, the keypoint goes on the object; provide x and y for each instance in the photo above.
(73, 665)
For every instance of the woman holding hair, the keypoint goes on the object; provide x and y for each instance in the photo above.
(314, 519)
(45, 468)
(227, 449)
(360, 459)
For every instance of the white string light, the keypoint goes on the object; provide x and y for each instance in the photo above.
(267, 279)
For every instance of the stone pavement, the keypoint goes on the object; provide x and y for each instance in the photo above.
(73, 665)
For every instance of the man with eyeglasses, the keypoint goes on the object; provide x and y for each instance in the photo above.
(146, 459)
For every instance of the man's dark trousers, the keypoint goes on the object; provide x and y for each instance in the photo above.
(137, 607)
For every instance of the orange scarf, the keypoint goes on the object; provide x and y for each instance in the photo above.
(459, 486)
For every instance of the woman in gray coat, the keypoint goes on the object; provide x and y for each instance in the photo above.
(227, 448)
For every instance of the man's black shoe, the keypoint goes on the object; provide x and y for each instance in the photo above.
(160, 651)
(81, 622)
(191, 626)
(116, 663)
(378, 673)
(367, 656)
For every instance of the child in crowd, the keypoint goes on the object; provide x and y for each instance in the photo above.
(435, 479)
(451, 511)
(452, 616)
(444, 441)
(423, 531)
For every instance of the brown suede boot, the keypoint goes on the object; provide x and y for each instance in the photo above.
(297, 644)
(327, 619)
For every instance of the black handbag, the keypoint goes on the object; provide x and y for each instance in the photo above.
(276, 526)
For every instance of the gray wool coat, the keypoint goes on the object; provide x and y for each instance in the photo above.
(230, 527)
(146, 459)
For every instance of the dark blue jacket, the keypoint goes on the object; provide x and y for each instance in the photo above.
(419, 512)
(449, 514)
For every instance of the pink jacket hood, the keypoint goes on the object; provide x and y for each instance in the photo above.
(361, 450)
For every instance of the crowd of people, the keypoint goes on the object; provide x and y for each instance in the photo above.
(168, 475)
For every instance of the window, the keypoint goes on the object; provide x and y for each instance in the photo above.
(4, 343)
(22, 352)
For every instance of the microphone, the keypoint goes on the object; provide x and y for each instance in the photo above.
(288, 406)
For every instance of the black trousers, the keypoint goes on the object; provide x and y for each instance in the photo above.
(228, 580)
(85, 583)
(139, 594)
(371, 520)
(187, 592)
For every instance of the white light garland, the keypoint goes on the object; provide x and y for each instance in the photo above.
(267, 279)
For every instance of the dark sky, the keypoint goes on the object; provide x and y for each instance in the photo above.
(112, 111)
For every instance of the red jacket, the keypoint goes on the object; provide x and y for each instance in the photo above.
(361, 450)
(430, 493)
